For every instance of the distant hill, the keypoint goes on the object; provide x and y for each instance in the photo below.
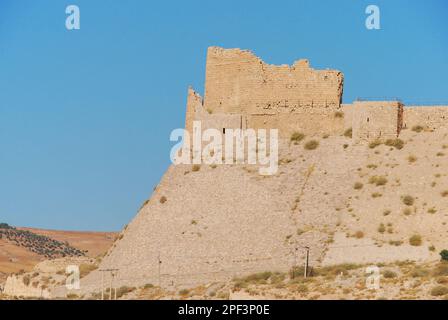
(39, 244)
(22, 248)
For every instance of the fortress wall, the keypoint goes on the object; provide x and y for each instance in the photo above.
(431, 117)
(347, 109)
(194, 106)
(375, 119)
(290, 98)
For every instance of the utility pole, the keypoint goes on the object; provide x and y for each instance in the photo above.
(306, 261)
(111, 282)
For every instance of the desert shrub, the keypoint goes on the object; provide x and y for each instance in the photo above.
(348, 133)
(440, 154)
(441, 269)
(408, 200)
(386, 212)
(311, 145)
(444, 193)
(72, 296)
(256, 278)
(412, 158)
(277, 277)
(26, 280)
(85, 269)
(382, 228)
(124, 290)
(389, 274)
(339, 114)
(148, 286)
(195, 168)
(419, 272)
(336, 269)
(372, 166)
(163, 199)
(359, 234)
(415, 240)
(407, 211)
(297, 137)
(378, 180)
(374, 144)
(376, 195)
(444, 255)
(302, 288)
(432, 210)
(358, 186)
(439, 291)
(417, 128)
(396, 143)
(184, 292)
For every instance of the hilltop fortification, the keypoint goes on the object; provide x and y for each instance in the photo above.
(211, 223)
(242, 91)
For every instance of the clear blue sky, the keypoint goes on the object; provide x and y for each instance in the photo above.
(85, 116)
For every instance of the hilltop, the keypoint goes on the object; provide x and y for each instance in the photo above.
(22, 248)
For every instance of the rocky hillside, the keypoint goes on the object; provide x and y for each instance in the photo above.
(374, 203)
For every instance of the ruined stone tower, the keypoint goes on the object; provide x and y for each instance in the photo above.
(242, 91)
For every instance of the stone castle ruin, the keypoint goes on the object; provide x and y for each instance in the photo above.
(242, 91)
(208, 223)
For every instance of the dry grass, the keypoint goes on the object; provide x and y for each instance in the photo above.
(375, 143)
(311, 145)
(415, 240)
(389, 274)
(396, 143)
(408, 200)
(358, 186)
(439, 291)
(417, 128)
(348, 133)
(412, 158)
(297, 137)
(359, 234)
(85, 269)
(378, 180)
(339, 114)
